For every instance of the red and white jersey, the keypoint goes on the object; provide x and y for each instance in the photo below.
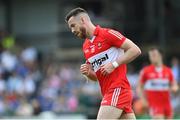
(103, 48)
(157, 84)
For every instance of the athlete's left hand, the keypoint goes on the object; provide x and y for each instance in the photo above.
(174, 88)
(107, 68)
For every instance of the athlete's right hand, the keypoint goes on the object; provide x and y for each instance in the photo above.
(85, 69)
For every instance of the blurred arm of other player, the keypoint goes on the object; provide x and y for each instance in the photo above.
(141, 95)
(140, 89)
(174, 87)
(173, 84)
(86, 70)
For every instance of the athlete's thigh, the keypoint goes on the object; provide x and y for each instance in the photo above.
(109, 112)
(128, 116)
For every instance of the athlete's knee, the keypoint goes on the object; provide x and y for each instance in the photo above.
(130, 116)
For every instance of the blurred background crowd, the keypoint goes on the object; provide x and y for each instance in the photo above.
(30, 86)
(40, 58)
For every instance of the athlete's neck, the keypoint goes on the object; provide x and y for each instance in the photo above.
(158, 64)
(91, 29)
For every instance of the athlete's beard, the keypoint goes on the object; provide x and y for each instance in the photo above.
(82, 33)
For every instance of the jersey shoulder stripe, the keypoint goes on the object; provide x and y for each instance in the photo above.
(116, 34)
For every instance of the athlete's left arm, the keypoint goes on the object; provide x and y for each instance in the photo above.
(131, 51)
(173, 84)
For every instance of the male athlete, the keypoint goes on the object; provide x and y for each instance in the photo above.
(157, 81)
(107, 52)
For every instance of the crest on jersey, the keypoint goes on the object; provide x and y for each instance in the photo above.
(99, 45)
(92, 49)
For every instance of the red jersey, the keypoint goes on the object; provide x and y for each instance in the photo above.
(157, 84)
(103, 48)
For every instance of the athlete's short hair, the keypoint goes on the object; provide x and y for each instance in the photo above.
(74, 12)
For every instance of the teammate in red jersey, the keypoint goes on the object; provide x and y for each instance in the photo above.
(107, 52)
(157, 81)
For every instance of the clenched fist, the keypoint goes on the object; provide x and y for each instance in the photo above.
(107, 68)
(85, 69)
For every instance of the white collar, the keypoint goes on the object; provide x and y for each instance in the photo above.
(159, 69)
(92, 39)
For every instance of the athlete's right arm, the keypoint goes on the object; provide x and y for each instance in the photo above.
(140, 90)
(86, 70)
(141, 95)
